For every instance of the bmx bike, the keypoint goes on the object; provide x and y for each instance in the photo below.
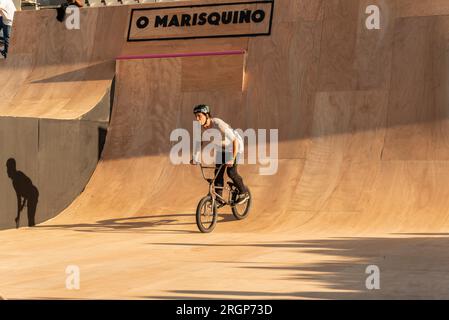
(206, 212)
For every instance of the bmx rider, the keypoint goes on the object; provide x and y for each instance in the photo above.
(231, 150)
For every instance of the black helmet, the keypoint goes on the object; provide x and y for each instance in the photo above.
(201, 108)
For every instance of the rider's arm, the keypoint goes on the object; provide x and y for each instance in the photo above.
(231, 138)
(196, 155)
(235, 150)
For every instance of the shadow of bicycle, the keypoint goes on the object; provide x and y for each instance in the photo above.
(159, 223)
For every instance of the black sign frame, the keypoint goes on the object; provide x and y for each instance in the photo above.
(204, 6)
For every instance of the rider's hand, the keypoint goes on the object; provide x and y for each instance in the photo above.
(230, 163)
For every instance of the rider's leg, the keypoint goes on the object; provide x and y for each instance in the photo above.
(219, 173)
(237, 179)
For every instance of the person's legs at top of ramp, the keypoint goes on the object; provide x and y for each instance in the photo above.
(7, 11)
(231, 147)
(6, 34)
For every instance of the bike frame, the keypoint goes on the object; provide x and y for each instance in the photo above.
(212, 187)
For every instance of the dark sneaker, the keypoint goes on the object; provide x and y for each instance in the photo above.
(242, 198)
(17, 222)
(3, 53)
(220, 203)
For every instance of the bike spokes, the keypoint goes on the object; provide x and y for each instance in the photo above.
(206, 215)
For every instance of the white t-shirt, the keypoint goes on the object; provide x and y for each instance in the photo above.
(228, 134)
(7, 10)
(224, 144)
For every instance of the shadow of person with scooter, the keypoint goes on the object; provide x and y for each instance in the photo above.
(27, 194)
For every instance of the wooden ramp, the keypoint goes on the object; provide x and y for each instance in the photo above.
(363, 167)
(361, 116)
(58, 75)
(55, 102)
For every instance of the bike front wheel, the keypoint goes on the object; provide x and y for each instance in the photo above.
(206, 215)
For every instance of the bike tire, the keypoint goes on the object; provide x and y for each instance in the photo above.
(245, 213)
(199, 215)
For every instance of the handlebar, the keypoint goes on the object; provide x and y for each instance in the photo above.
(203, 167)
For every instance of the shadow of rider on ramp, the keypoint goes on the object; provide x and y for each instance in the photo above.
(27, 193)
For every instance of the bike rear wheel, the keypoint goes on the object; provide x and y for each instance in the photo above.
(206, 215)
(241, 211)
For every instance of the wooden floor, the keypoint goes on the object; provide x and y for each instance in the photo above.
(362, 177)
